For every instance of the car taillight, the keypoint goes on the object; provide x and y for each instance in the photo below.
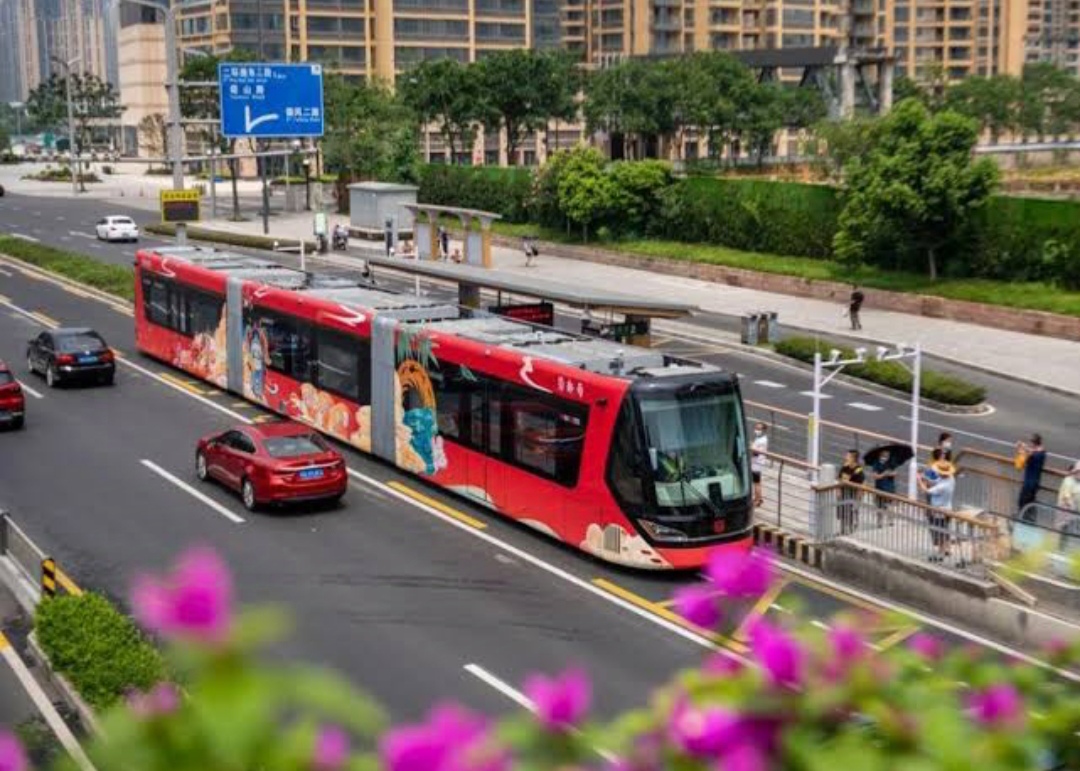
(107, 356)
(65, 358)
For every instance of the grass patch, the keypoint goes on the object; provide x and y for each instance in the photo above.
(938, 386)
(114, 279)
(97, 648)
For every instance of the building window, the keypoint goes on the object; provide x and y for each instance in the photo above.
(431, 29)
(798, 17)
(323, 25)
(500, 32)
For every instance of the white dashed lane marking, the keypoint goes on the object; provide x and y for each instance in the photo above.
(811, 395)
(769, 384)
(864, 406)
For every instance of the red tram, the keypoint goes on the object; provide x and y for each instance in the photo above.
(631, 455)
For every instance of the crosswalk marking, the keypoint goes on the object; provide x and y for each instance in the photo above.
(864, 406)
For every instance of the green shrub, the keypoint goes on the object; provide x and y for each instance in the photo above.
(505, 191)
(114, 279)
(940, 387)
(98, 649)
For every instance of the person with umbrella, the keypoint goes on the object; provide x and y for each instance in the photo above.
(883, 472)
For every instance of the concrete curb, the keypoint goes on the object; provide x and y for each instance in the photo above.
(854, 382)
(66, 690)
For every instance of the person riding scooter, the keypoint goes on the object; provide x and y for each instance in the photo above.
(341, 237)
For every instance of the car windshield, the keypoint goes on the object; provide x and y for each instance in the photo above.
(294, 446)
(695, 443)
(81, 342)
(6, 378)
(122, 221)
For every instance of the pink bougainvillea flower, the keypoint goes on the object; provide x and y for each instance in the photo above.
(162, 699)
(561, 702)
(740, 574)
(12, 757)
(743, 756)
(452, 739)
(195, 602)
(927, 646)
(698, 605)
(331, 749)
(847, 643)
(780, 654)
(997, 705)
(704, 732)
(722, 664)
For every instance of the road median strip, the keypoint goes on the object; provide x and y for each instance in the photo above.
(115, 279)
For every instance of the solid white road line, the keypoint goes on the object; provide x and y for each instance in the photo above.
(41, 701)
(191, 491)
(517, 697)
(31, 391)
(982, 437)
(769, 384)
(25, 237)
(864, 406)
(78, 234)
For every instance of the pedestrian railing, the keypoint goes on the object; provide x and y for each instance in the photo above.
(992, 482)
(787, 493)
(1049, 532)
(952, 540)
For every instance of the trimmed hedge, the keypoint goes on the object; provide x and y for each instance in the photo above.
(946, 389)
(505, 191)
(225, 237)
(114, 279)
(1027, 239)
(98, 649)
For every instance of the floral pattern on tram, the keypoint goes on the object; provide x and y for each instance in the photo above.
(205, 356)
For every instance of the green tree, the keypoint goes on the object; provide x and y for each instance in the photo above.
(446, 93)
(638, 186)
(843, 140)
(633, 99)
(370, 132)
(522, 92)
(905, 87)
(1049, 104)
(93, 100)
(994, 102)
(719, 95)
(202, 103)
(913, 188)
(587, 193)
(5, 139)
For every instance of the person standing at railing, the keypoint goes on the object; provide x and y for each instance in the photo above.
(1069, 494)
(758, 460)
(1031, 458)
(883, 472)
(938, 481)
(852, 473)
(945, 444)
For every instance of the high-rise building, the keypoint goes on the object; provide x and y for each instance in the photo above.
(1053, 33)
(142, 75)
(219, 26)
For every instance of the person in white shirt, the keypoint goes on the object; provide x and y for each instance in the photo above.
(758, 460)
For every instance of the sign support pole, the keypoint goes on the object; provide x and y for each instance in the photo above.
(265, 194)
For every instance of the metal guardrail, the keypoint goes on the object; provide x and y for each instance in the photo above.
(953, 540)
(31, 561)
(788, 494)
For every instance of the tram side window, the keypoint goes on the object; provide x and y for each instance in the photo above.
(344, 365)
(288, 343)
(625, 480)
(205, 312)
(545, 435)
(180, 308)
(156, 300)
(452, 402)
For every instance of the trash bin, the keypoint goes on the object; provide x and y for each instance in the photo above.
(750, 329)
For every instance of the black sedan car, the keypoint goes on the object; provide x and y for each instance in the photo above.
(70, 354)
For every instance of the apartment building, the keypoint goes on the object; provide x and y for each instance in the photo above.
(1053, 33)
(219, 26)
(142, 75)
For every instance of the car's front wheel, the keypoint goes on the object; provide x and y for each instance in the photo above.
(247, 495)
(200, 467)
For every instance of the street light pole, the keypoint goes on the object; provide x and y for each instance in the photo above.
(916, 372)
(71, 120)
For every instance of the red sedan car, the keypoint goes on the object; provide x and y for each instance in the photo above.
(12, 401)
(278, 462)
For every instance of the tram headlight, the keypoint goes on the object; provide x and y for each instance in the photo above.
(662, 532)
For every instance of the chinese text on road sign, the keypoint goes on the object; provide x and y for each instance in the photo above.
(271, 100)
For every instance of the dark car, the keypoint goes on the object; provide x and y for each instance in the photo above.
(71, 354)
(12, 401)
(1, 191)
(280, 462)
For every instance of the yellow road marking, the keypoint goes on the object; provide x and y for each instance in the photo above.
(65, 581)
(240, 404)
(449, 511)
(180, 383)
(4, 642)
(760, 608)
(264, 418)
(28, 274)
(844, 597)
(896, 638)
(77, 292)
(668, 615)
(48, 321)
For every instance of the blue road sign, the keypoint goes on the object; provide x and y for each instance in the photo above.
(271, 100)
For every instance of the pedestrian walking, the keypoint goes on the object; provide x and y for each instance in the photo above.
(851, 472)
(854, 306)
(388, 237)
(1030, 457)
(883, 472)
(938, 481)
(444, 243)
(759, 460)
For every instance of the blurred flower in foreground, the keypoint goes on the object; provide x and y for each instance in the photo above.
(997, 705)
(704, 732)
(331, 749)
(778, 653)
(927, 646)
(740, 574)
(12, 757)
(195, 602)
(698, 605)
(452, 739)
(561, 702)
(162, 699)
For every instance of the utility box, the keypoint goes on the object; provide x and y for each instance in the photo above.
(372, 204)
(749, 331)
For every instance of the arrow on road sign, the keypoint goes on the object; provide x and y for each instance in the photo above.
(250, 124)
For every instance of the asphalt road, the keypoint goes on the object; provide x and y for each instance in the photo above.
(1019, 409)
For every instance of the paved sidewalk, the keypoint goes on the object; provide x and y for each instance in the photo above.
(1047, 361)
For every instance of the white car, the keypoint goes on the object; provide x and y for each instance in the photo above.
(117, 229)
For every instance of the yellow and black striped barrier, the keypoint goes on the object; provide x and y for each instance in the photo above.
(48, 577)
(795, 547)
